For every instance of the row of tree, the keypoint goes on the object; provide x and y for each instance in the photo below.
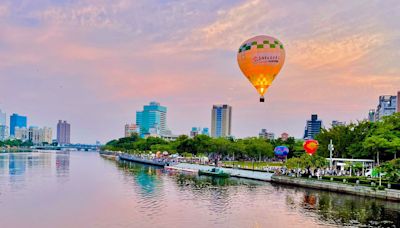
(364, 139)
(15, 143)
(228, 148)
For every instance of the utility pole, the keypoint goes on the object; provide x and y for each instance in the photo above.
(331, 149)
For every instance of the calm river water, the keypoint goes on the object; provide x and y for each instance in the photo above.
(82, 189)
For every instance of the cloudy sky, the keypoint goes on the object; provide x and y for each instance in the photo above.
(94, 63)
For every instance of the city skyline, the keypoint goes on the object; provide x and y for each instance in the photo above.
(74, 52)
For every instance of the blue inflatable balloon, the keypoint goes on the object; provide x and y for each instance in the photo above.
(281, 151)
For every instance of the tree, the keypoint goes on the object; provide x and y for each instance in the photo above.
(392, 170)
(376, 144)
(306, 161)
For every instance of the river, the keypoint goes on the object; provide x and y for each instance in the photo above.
(82, 189)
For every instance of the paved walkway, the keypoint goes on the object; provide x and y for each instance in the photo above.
(256, 175)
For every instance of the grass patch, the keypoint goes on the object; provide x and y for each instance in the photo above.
(249, 164)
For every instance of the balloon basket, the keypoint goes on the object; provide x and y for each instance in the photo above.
(262, 99)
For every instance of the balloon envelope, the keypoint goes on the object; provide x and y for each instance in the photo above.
(260, 59)
(310, 146)
(281, 151)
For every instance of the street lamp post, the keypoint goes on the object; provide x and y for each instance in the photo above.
(331, 149)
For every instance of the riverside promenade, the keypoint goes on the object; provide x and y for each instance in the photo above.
(249, 174)
(387, 194)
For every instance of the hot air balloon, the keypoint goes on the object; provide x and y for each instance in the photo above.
(310, 146)
(281, 151)
(260, 59)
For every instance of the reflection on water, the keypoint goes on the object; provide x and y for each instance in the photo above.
(349, 210)
(83, 190)
(330, 208)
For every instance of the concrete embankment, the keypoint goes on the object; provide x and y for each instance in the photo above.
(249, 174)
(387, 194)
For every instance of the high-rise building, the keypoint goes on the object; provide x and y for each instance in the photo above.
(34, 135)
(21, 133)
(338, 123)
(266, 135)
(47, 135)
(152, 120)
(313, 127)
(3, 126)
(3, 132)
(398, 101)
(284, 136)
(17, 121)
(221, 120)
(386, 107)
(371, 115)
(3, 118)
(131, 129)
(63, 132)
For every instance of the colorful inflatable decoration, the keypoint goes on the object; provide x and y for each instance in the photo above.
(260, 59)
(310, 146)
(281, 151)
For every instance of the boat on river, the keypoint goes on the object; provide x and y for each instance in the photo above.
(215, 172)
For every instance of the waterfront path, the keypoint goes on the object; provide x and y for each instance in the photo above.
(249, 174)
(388, 194)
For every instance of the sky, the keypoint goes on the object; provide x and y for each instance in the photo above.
(95, 63)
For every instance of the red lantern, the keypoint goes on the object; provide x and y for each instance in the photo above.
(310, 146)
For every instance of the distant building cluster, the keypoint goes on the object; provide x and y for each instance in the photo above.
(199, 131)
(266, 135)
(387, 105)
(152, 121)
(18, 129)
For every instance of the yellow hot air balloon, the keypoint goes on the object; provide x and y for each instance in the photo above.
(260, 60)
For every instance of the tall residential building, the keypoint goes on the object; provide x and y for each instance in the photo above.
(3, 132)
(40, 135)
(17, 121)
(130, 129)
(371, 115)
(221, 120)
(386, 107)
(284, 136)
(266, 135)
(152, 120)
(21, 133)
(3, 118)
(63, 133)
(313, 127)
(3, 126)
(398, 101)
(47, 134)
(338, 123)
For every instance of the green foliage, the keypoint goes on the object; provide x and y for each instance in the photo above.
(392, 170)
(363, 139)
(203, 145)
(306, 161)
(15, 143)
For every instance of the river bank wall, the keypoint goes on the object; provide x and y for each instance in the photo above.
(249, 174)
(387, 194)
